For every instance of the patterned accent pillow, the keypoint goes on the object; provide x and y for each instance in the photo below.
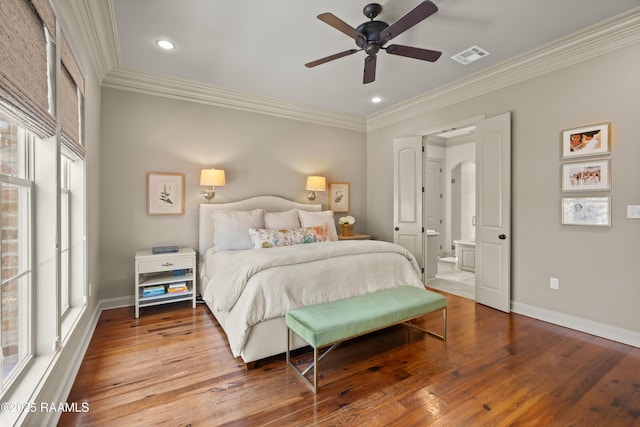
(308, 219)
(262, 238)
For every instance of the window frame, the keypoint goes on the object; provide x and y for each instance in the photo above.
(65, 236)
(26, 141)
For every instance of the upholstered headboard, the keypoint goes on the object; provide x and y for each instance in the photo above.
(268, 203)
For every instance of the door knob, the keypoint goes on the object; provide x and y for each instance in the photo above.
(397, 228)
(502, 237)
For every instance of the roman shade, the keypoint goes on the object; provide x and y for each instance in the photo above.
(24, 89)
(71, 91)
(30, 90)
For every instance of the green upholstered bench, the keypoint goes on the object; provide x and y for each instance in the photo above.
(337, 321)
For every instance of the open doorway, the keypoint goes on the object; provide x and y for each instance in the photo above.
(452, 196)
(493, 206)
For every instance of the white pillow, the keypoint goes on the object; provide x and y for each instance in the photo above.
(309, 219)
(231, 228)
(287, 220)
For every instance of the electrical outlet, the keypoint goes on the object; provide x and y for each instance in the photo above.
(554, 283)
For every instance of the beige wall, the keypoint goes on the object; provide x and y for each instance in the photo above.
(598, 269)
(261, 154)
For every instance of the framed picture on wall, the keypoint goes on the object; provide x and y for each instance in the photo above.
(586, 176)
(165, 193)
(339, 196)
(586, 211)
(586, 141)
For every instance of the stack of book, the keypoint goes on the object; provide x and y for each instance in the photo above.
(152, 291)
(177, 288)
(164, 249)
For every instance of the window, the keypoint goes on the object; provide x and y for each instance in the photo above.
(15, 250)
(65, 236)
(43, 273)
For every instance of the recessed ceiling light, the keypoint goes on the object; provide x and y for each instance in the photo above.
(165, 44)
(376, 99)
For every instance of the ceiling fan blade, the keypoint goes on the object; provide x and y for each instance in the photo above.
(331, 58)
(369, 69)
(414, 52)
(417, 14)
(340, 25)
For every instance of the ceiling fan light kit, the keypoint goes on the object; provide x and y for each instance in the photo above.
(373, 35)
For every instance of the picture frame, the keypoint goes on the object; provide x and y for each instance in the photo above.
(165, 193)
(588, 140)
(586, 176)
(593, 211)
(339, 196)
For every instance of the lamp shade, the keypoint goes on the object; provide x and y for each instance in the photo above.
(316, 183)
(213, 177)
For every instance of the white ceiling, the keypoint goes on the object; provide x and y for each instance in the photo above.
(260, 47)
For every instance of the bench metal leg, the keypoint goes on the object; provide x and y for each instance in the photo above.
(314, 365)
(314, 386)
(317, 359)
(443, 337)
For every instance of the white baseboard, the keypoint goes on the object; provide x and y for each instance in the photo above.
(109, 303)
(603, 330)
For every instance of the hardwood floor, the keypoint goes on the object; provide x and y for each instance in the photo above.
(173, 367)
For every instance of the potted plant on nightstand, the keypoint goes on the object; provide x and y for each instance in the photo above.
(346, 223)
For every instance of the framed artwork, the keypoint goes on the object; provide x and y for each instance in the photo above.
(586, 176)
(339, 196)
(586, 211)
(586, 141)
(165, 193)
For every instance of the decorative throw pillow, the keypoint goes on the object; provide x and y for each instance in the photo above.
(231, 228)
(287, 220)
(262, 238)
(309, 219)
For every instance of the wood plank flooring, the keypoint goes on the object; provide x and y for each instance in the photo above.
(173, 367)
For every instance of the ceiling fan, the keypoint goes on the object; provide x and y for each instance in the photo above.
(372, 36)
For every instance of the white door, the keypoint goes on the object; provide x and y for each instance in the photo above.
(493, 212)
(407, 195)
(434, 201)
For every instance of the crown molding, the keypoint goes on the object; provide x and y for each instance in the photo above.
(134, 80)
(615, 33)
(97, 24)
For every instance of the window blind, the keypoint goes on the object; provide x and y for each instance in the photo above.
(70, 92)
(46, 14)
(23, 66)
(70, 63)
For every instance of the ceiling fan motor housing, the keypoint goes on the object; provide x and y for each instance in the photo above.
(371, 31)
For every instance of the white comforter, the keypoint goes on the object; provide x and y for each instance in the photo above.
(260, 284)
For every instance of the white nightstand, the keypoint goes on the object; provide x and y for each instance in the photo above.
(165, 278)
(355, 236)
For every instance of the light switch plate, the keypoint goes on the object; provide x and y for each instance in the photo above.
(633, 211)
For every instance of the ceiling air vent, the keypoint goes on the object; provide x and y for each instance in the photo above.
(467, 56)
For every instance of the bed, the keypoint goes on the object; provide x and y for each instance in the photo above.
(249, 290)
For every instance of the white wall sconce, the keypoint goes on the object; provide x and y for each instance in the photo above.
(314, 184)
(212, 178)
